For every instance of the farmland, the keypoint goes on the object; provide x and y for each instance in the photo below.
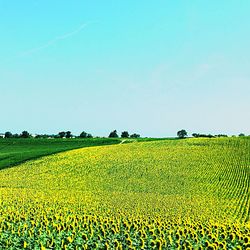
(168, 194)
(15, 151)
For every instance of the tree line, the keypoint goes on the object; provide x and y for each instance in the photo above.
(113, 134)
(67, 134)
(183, 134)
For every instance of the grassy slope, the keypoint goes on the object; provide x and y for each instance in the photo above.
(16, 151)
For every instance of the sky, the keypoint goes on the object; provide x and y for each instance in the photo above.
(147, 67)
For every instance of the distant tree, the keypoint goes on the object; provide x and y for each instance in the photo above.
(202, 135)
(8, 135)
(125, 134)
(16, 136)
(182, 133)
(44, 136)
(134, 136)
(210, 136)
(83, 134)
(221, 135)
(25, 134)
(89, 136)
(241, 135)
(61, 134)
(68, 134)
(113, 134)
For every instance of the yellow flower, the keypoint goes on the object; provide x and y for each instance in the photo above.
(70, 239)
(42, 247)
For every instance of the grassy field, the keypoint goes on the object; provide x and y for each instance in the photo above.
(16, 151)
(169, 194)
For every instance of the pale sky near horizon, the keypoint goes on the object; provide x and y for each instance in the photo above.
(150, 67)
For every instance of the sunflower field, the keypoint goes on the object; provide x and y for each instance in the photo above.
(168, 194)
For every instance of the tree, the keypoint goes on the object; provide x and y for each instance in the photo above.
(202, 135)
(25, 134)
(113, 134)
(125, 134)
(210, 136)
(134, 136)
(221, 135)
(8, 135)
(83, 134)
(89, 136)
(16, 136)
(68, 134)
(182, 133)
(241, 135)
(62, 134)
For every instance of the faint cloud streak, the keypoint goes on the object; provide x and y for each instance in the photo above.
(55, 40)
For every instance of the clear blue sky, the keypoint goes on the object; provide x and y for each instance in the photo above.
(151, 67)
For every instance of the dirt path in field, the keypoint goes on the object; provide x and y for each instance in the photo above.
(122, 141)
